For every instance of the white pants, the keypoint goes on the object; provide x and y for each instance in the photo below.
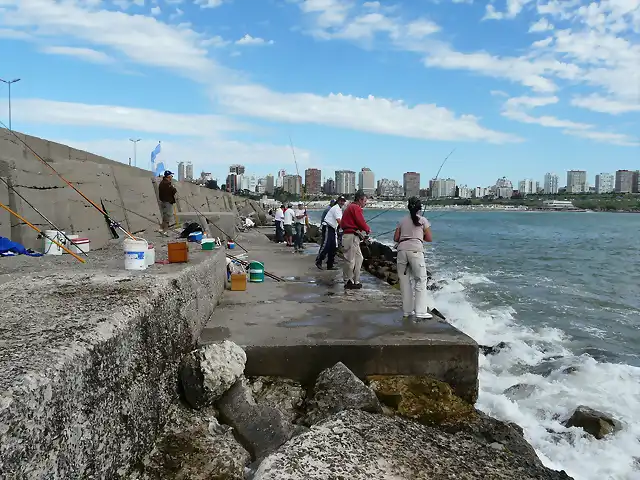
(352, 256)
(412, 273)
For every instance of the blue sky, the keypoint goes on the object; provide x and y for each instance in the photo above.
(518, 87)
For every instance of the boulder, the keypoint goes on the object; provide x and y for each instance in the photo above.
(260, 428)
(208, 372)
(592, 421)
(519, 391)
(357, 445)
(487, 350)
(421, 398)
(336, 389)
(281, 393)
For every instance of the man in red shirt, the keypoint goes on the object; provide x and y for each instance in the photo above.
(353, 221)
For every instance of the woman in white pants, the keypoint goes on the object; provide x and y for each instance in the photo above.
(410, 234)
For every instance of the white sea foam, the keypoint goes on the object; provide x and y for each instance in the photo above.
(611, 388)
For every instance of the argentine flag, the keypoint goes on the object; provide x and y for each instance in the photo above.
(160, 169)
(154, 154)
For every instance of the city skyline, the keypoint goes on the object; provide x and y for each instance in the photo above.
(510, 84)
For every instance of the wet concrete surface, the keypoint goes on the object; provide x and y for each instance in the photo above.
(291, 328)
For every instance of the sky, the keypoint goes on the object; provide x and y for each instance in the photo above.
(517, 87)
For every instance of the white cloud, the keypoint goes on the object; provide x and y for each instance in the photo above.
(606, 137)
(513, 9)
(544, 43)
(601, 104)
(138, 120)
(209, 3)
(541, 25)
(156, 11)
(371, 114)
(177, 14)
(86, 54)
(249, 40)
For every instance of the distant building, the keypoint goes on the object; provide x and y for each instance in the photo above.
(312, 180)
(279, 181)
(232, 183)
(237, 169)
(262, 185)
(443, 187)
(411, 184)
(189, 172)
(367, 181)
(390, 188)
(481, 192)
(626, 181)
(526, 187)
(551, 183)
(464, 192)
(292, 184)
(558, 205)
(605, 183)
(181, 172)
(269, 185)
(345, 182)
(537, 187)
(329, 187)
(577, 181)
(503, 188)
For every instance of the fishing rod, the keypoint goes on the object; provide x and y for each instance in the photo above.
(52, 240)
(155, 222)
(436, 177)
(35, 154)
(245, 264)
(10, 187)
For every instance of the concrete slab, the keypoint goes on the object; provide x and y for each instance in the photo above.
(89, 357)
(298, 328)
(138, 195)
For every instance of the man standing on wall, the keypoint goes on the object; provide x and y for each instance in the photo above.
(167, 196)
(354, 226)
(289, 218)
(300, 222)
(279, 219)
(330, 223)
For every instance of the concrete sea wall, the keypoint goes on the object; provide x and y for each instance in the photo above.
(123, 189)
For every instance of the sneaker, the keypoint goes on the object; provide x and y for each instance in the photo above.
(357, 286)
(350, 286)
(425, 316)
(319, 265)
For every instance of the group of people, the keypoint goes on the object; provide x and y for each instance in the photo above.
(290, 225)
(348, 227)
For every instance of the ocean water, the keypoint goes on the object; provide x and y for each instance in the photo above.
(562, 290)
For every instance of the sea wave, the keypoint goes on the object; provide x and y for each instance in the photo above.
(560, 381)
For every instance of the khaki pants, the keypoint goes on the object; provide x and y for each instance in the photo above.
(352, 256)
(412, 273)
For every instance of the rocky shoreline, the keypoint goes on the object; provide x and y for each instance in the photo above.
(383, 427)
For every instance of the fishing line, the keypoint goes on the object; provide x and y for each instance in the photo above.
(116, 224)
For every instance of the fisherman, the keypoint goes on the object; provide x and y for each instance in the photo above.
(355, 229)
(167, 196)
(330, 223)
(289, 218)
(323, 227)
(411, 233)
(279, 218)
(300, 222)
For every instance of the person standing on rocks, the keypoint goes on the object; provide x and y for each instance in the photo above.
(412, 231)
(330, 223)
(167, 196)
(279, 219)
(354, 227)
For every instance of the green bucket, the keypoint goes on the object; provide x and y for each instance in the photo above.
(256, 272)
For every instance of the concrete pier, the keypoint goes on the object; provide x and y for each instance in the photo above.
(298, 328)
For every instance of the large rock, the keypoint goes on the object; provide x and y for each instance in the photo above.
(337, 389)
(357, 445)
(592, 421)
(421, 398)
(281, 393)
(210, 371)
(520, 391)
(261, 428)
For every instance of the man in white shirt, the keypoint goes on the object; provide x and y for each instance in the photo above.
(330, 242)
(300, 222)
(279, 218)
(289, 218)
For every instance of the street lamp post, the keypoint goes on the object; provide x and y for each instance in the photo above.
(9, 82)
(135, 153)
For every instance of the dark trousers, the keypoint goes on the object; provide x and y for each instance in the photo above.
(279, 231)
(298, 239)
(328, 247)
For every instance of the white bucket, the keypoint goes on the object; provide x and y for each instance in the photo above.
(150, 257)
(51, 248)
(135, 253)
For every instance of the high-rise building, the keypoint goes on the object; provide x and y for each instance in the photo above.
(270, 185)
(443, 187)
(605, 183)
(181, 172)
(367, 181)
(279, 180)
(345, 182)
(526, 187)
(480, 192)
(503, 188)
(312, 180)
(231, 183)
(537, 190)
(626, 181)
(292, 184)
(329, 187)
(189, 171)
(464, 192)
(577, 181)
(390, 188)
(262, 185)
(551, 183)
(237, 169)
(411, 184)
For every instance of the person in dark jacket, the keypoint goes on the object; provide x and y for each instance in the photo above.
(167, 196)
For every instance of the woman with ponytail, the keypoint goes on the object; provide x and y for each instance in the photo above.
(410, 234)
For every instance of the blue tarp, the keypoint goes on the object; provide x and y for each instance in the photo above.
(7, 247)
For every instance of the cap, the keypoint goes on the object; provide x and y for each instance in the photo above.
(167, 173)
(341, 197)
